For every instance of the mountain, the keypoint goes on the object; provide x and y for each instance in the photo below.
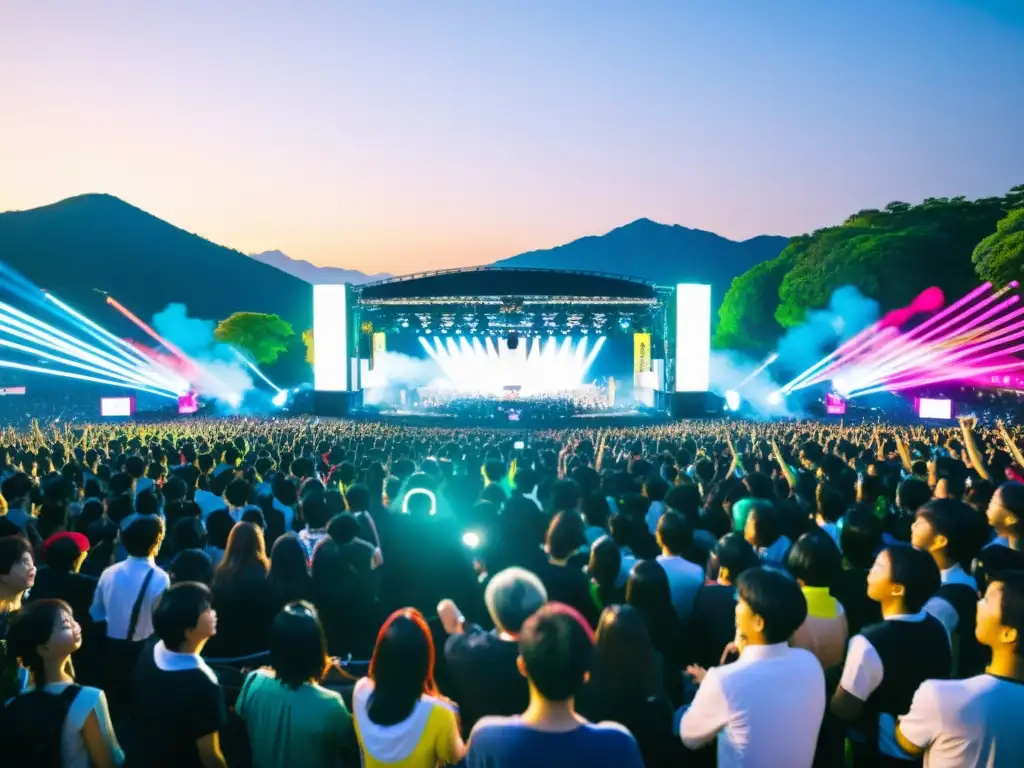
(81, 246)
(311, 273)
(658, 252)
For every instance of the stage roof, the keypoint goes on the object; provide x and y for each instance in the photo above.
(476, 283)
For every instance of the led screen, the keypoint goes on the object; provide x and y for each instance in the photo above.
(834, 405)
(330, 338)
(188, 403)
(693, 337)
(928, 408)
(117, 406)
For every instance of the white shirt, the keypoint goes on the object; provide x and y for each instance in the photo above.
(941, 608)
(175, 661)
(973, 722)
(766, 709)
(863, 673)
(684, 579)
(118, 589)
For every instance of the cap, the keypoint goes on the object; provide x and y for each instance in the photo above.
(80, 539)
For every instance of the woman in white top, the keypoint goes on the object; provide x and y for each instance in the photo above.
(43, 635)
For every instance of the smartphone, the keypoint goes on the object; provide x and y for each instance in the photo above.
(518, 445)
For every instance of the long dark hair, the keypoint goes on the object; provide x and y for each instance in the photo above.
(648, 592)
(289, 574)
(626, 665)
(604, 566)
(32, 627)
(245, 553)
(298, 646)
(402, 668)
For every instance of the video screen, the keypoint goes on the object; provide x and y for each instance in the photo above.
(834, 405)
(928, 408)
(117, 406)
(188, 403)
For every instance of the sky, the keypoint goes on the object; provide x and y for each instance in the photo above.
(407, 136)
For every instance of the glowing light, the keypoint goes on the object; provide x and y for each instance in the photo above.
(693, 337)
(775, 398)
(945, 347)
(471, 539)
(732, 400)
(537, 366)
(757, 371)
(280, 398)
(330, 338)
(928, 408)
(80, 377)
(257, 371)
(117, 406)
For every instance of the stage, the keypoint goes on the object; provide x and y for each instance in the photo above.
(566, 345)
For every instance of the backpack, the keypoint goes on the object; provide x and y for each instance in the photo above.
(31, 727)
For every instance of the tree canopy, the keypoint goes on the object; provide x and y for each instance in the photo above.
(262, 337)
(746, 319)
(999, 258)
(889, 255)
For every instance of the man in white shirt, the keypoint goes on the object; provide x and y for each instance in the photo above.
(120, 585)
(767, 707)
(124, 599)
(976, 721)
(675, 537)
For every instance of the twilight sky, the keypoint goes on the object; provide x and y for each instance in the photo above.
(412, 135)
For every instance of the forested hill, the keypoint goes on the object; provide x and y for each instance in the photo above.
(890, 255)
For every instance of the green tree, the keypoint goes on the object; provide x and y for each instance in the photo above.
(999, 258)
(746, 318)
(263, 337)
(891, 255)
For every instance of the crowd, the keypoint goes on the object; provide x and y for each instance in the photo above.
(544, 407)
(314, 593)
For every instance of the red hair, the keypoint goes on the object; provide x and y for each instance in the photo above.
(414, 616)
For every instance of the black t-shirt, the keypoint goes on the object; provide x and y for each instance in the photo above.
(851, 589)
(571, 586)
(483, 675)
(171, 710)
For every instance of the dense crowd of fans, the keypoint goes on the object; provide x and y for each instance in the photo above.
(529, 407)
(305, 593)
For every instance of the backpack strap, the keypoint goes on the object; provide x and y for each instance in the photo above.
(137, 608)
(69, 694)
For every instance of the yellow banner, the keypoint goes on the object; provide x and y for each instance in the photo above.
(377, 347)
(641, 352)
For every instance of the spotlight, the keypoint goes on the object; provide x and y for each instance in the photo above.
(471, 539)
(280, 398)
(624, 323)
(775, 398)
(732, 400)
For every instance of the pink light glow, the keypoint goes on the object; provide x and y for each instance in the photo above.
(965, 340)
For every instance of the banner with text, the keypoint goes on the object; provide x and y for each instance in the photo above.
(641, 355)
